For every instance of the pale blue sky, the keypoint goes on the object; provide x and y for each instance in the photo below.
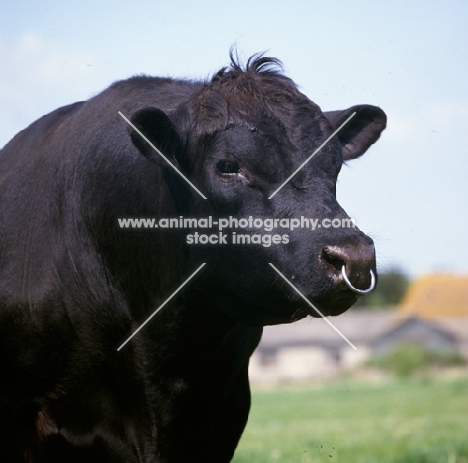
(409, 192)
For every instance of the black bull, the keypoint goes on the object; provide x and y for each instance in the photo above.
(74, 286)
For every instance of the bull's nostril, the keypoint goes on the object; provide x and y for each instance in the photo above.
(332, 258)
(357, 260)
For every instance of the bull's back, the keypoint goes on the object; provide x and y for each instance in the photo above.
(76, 159)
(26, 146)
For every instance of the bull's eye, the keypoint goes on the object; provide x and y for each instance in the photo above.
(228, 167)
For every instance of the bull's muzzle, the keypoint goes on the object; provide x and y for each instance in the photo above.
(351, 264)
(356, 290)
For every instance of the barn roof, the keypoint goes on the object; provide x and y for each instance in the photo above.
(435, 296)
(362, 327)
(359, 326)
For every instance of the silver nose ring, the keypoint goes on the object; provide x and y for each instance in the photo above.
(356, 290)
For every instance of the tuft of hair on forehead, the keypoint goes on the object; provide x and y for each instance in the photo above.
(259, 71)
(244, 93)
(256, 64)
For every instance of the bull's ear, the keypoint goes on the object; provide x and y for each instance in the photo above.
(361, 131)
(159, 130)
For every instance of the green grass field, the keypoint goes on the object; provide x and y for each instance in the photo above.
(401, 421)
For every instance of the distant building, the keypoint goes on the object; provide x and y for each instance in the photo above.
(310, 348)
(434, 314)
(438, 295)
(415, 331)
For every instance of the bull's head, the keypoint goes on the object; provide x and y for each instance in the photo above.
(238, 138)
